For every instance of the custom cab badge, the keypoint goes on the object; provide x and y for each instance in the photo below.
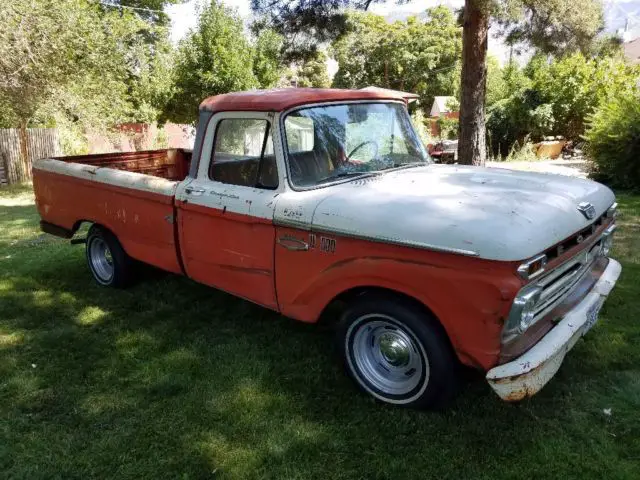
(327, 245)
(587, 210)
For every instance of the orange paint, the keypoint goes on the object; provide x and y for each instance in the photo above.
(238, 254)
(139, 219)
(228, 251)
(471, 297)
(282, 99)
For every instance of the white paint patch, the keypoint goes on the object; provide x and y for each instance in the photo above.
(494, 214)
(109, 176)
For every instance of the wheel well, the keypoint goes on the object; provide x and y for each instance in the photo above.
(332, 313)
(79, 223)
(337, 305)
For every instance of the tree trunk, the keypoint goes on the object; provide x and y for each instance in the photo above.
(472, 135)
(24, 152)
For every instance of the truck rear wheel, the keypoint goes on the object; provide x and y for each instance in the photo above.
(397, 352)
(108, 262)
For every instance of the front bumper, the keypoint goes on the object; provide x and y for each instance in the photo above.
(527, 374)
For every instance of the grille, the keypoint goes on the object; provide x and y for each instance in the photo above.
(582, 236)
(558, 284)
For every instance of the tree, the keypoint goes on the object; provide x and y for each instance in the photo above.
(613, 137)
(51, 50)
(216, 57)
(313, 72)
(151, 11)
(267, 66)
(420, 56)
(548, 25)
(553, 96)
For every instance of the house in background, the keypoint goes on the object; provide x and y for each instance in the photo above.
(632, 50)
(443, 107)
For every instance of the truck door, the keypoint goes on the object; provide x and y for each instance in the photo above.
(225, 215)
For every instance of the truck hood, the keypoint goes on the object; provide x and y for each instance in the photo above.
(492, 213)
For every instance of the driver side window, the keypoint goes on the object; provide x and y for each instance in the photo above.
(243, 154)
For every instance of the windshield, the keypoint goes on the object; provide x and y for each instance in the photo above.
(327, 143)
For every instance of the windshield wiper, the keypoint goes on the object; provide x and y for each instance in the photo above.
(398, 166)
(340, 175)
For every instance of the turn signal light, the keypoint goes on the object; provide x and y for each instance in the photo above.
(533, 267)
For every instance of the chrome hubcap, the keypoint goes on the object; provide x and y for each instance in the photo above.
(386, 355)
(101, 259)
(395, 349)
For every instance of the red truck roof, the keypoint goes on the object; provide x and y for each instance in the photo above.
(284, 98)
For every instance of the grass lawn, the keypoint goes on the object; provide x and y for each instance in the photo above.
(171, 379)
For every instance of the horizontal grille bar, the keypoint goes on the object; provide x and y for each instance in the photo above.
(559, 283)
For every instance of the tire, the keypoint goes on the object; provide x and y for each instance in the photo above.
(398, 353)
(109, 263)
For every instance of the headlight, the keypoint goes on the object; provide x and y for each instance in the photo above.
(522, 312)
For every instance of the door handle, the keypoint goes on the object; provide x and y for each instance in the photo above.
(194, 191)
(293, 243)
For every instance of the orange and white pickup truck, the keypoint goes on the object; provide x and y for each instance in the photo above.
(305, 199)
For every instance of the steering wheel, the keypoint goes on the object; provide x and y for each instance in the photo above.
(348, 159)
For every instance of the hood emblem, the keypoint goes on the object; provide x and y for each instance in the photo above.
(587, 210)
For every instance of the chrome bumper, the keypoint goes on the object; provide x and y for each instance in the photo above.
(527, 374)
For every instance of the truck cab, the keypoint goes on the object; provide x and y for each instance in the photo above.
(304, 199)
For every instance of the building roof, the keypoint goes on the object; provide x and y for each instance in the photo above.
(632, 50)
(284, 98)
(440, 105)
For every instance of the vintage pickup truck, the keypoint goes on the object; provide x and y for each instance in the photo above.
(311, 201)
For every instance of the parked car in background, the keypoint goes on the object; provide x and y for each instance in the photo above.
(445, 151)
(301, 200)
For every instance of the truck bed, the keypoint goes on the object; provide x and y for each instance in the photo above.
(131, 194)
(172, 164)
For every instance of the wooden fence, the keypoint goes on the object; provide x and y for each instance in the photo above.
(42, 143)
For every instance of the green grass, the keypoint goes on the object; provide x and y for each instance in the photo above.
(171, 379)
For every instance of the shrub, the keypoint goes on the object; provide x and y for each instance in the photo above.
(613, 141)
(418, 118)
(448, 128)
(521, 151)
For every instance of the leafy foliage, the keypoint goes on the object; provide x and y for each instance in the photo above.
(613, 137)
(312, 72)
(550, 26)
(216, 57)
(448, 128)
(419, 122)
(552, 97)
(44, 47)
(79, 64)
(267, 66)
(305, 24)
(151, 11)
(417, 56)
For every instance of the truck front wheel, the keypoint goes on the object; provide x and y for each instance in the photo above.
(397, 352)
(108, 262)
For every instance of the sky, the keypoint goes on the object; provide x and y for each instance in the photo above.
(618, 13)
